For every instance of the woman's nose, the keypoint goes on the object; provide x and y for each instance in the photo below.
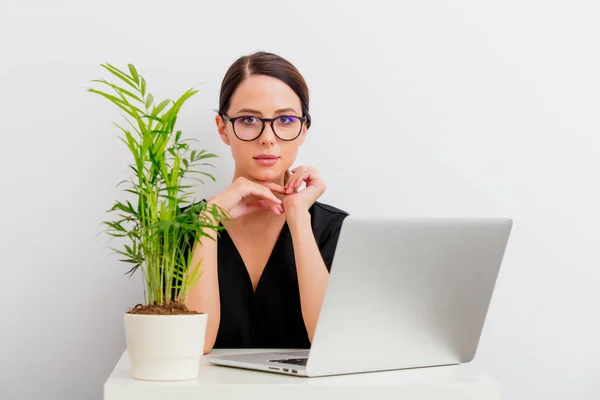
(268, 136)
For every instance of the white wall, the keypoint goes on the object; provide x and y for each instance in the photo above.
(429, 108)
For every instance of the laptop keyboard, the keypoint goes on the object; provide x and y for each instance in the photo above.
(292, 361)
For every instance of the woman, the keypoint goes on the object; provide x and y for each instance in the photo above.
(264, 277)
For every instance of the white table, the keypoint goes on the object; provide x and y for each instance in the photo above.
(214, 383)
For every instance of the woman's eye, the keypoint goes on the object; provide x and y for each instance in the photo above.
(284, 119)
(249, 120)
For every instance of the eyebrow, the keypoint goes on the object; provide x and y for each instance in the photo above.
(252, 111)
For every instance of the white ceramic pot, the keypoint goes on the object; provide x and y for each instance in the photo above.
(165, 347)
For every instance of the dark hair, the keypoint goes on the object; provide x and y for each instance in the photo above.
(263, 63)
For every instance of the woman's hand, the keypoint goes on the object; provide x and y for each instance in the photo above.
(232, 199)
(296, 201)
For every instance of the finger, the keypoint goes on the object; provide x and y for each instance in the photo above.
(300, 171)
(277, 209)
(299, 174)
(262, 205)
(311, 177)
(256, 189)
(291, 184)
(273, 186)
(266, 190)
(256, 206)
(306, 176)
(297, 171)
(294, 184)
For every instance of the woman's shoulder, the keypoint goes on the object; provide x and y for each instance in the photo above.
(326, 218)
(327, 210)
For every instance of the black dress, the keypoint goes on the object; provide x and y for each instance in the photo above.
(271, 317)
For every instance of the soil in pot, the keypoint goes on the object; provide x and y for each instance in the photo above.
(173, 308)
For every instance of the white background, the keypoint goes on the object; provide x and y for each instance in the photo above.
(420, 108)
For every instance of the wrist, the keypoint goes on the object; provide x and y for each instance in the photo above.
(217, 202)
(212, 206)
(211, 201)
(297, 217)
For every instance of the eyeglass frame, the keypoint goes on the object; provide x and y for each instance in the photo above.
(263, 121)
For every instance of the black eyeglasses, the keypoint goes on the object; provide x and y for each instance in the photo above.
(248, 128)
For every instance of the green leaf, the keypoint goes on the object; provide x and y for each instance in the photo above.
(133, 269)
(149, 100)
(131, 143)
(118, 89)
(143, 91)
(174, 199)
(184, 97)
(160, 107)
(120, 74)
(152, 117)
(113, 99)
(196, 164)
(196, 274)
(162, 132)
(134, 73)
(114, 225)
(208, 175)
(206, 155)
(125, 208)
(117, 235)
(128, 93)
(134, 109)
(178, 187)
(190, 140)
(128, 249)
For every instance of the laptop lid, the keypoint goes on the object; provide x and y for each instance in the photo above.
(407, 292)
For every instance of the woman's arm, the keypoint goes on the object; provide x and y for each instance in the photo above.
(312, 272)
(311, 269)
(204, 296)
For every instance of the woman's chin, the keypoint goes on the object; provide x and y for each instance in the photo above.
(266, 175)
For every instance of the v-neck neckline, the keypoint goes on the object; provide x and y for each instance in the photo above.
(266, 266)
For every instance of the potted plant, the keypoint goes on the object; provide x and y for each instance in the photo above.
(157, 228)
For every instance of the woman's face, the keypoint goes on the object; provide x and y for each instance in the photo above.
(265, 97)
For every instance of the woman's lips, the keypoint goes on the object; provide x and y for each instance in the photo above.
(266, 159)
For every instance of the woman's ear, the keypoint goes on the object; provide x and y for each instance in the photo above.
(303, 134)
(222, 129)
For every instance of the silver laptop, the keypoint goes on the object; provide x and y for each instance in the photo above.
(402, 293)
